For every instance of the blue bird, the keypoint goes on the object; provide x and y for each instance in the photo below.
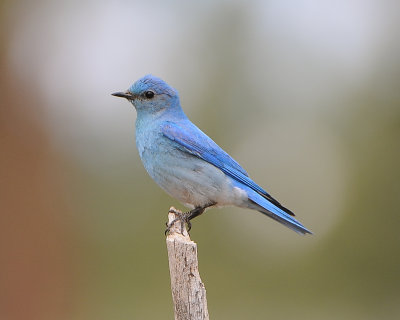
(187, 164)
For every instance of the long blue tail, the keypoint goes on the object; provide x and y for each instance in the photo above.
(263, 205)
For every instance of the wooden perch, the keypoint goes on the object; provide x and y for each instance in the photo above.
(188, 292)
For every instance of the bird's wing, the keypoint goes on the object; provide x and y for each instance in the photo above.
(195, 142)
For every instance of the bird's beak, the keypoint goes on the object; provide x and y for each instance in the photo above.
(126, 95)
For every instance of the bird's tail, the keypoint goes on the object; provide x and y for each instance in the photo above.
(264, 206)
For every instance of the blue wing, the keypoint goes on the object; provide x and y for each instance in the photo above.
(194, 141)
(200, 145)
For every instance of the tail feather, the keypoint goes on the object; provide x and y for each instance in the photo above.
(273, 211)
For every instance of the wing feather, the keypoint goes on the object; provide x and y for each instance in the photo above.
(200, 145)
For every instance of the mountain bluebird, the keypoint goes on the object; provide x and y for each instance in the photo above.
(187, 164)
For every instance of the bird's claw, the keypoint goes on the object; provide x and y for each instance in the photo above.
(183, 217)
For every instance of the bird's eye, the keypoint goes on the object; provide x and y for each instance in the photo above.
(149, 94)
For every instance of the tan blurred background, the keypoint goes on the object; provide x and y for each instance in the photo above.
(304, 94)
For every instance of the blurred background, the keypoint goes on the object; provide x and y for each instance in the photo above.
(304, 94)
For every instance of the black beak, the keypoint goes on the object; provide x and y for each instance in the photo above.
(126, 95)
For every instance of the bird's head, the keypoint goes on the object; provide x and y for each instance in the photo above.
(150, 95)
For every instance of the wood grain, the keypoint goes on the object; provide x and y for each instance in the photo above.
(188, 291)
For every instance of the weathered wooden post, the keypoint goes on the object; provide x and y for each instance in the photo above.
(188, 292)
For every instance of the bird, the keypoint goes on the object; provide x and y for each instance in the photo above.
(187, 164)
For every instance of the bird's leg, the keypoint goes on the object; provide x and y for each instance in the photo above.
(187, 216)
(184, 217)
(191, 215)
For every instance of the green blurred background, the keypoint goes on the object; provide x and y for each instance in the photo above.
(304, 94)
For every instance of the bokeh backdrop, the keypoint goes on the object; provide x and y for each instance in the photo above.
(304, 94)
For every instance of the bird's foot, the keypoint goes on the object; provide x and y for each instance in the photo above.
(183, 217)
